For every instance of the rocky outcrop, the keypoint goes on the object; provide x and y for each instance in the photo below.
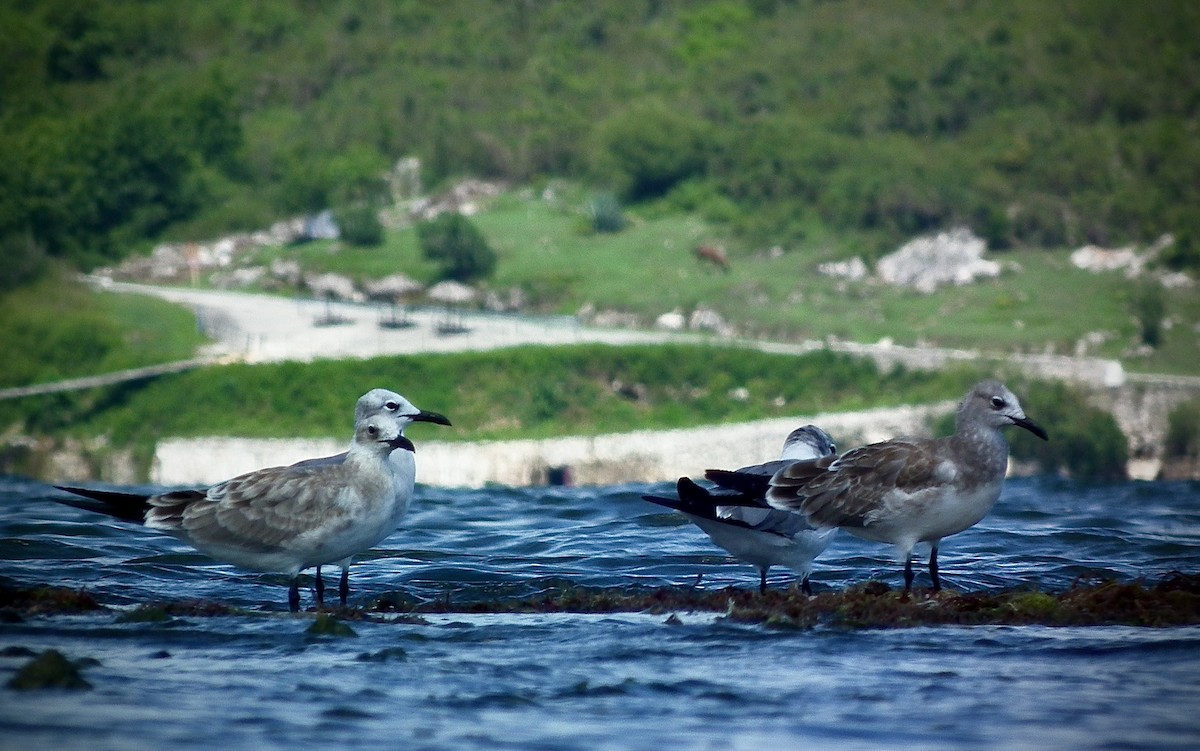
(932, 261)
(854, 270)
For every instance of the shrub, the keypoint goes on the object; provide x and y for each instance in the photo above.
(24, 260)
(458, 247)
(359, 225)
(1149, 307)
(1183, 431)
(1085, 441)
(605, 213)
(648, 149)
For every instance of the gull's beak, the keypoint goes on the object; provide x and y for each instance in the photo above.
(400, 442)
(434, 417)
(1031, 426)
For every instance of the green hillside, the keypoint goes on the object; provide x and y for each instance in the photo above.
(811, 124)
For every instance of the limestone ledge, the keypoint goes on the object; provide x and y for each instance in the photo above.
(639, 456)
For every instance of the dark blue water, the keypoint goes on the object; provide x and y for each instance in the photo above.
(604, 681)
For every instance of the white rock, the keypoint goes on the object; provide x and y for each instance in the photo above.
(673, 321)
(928, 262)
(1094, 258)
(855, 269)
(707, 319)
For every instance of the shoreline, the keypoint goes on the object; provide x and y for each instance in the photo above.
(607, 459)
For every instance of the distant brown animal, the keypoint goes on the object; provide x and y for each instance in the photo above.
(714, 255)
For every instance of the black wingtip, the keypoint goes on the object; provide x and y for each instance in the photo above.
(671, 503)
(128, 507)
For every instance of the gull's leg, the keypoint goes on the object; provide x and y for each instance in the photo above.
(762, 581)
(320, 588)
(933, 569)
(908, 574)
(806, 585)
(294, 595)
(344, 585)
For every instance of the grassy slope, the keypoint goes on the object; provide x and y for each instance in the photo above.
(1041, 303)
(58, 328)
(523, 392)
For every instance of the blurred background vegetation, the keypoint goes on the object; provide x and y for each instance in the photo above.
(821, 128)
(1036, 124)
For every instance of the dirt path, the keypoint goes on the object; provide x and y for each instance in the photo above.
(267, 328)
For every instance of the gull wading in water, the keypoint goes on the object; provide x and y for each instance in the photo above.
(736, 518)
(286, 519)
(910, 490)
(402, 463)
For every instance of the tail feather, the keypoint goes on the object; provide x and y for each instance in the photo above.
(129, 507)
(692, 499)
(747, 483)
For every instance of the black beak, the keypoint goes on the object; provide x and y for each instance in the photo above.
(1032, 427)
(424, 416)
(400, 442)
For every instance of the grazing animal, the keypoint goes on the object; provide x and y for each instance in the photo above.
(714, 255)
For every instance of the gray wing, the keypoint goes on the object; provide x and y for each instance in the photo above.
(324, 461)
(261, 511)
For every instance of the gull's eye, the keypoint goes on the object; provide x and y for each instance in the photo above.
(391, 406)
(833, 447)
(998, 402)
(372, 430)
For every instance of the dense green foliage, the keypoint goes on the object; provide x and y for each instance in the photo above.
(359, 225)
(1086, 442)
(1183, 431)
(457, 247)
(57, 329)
(605, 213)
(1036, 123)
(523, 392)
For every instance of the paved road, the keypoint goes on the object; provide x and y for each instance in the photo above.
(268, 328)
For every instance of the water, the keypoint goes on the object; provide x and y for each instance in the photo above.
(628, 681)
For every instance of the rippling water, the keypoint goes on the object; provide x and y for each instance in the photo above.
(604, 681)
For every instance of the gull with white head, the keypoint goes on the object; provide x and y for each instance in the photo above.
(736, 517)
(286, 519)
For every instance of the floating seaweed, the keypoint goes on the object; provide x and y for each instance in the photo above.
(49, 670)
(1172, 601)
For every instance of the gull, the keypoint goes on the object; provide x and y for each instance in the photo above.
(736, 518)
(909, 490)
(286, 519)
(402, 463)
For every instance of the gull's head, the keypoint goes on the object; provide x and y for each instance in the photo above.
(382, 432)
(991, 403)
(384, 402)
(808, 442)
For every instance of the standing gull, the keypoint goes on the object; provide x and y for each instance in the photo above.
(910, 490)
(403, 464)
(286, 519)
(736, 518)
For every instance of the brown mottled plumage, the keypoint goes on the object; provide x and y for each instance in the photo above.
(910, 490)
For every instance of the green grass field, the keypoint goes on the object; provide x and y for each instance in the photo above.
(1040, 303)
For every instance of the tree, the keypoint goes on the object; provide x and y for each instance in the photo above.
(458, 247)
